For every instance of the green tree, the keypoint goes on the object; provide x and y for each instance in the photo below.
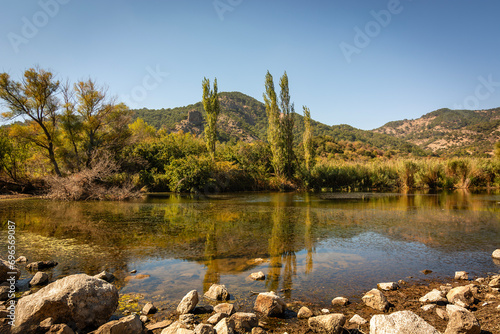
(286, 125)
(212, 108)
(497, 149)
(307, 140)
(274, 127)
(34, 97)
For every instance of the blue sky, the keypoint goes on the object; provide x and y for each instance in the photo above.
(361, 63)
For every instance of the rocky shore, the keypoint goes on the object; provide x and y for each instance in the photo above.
(86, 304)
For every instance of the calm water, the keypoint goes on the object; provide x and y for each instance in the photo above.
(313, 247)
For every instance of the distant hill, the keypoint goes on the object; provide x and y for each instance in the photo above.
(244, 118)
(450, 132)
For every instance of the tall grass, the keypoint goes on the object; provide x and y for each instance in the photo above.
(406, 174)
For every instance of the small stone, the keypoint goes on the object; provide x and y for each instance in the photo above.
(159, 325)
(445, 288)
(375, 299)
(461, 296)
(204, 329)
(187, 319)
(428, 307)
(244, 322)
(188, 303)
(214, 320)
(304, 313)
(388, 286)
(435, 296)
(426, 271)
(442, 314)
(225, 308)
(225, 326)
(217, 292)
(480, 280)
(133, 271)
(495, 282)
(401, 282)
(40, 265)
(400, 322)
(144, 318)
(269, 304)
(358, 320)
(340, 301)
(106, 276)
(325, 311)
(149, 308)
(461, 275)
(21, 259)
(496, 254)
(329, 323)
(461, 321)
(258, 330)
(257, 276)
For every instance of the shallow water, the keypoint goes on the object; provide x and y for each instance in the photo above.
(312, 247)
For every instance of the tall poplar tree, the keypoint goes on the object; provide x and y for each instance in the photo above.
(274, 127)
(212, 108)
(307, 140)
(286, 124)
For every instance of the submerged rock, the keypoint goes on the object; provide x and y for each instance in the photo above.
(40, 265)
(403, 322)
(257, 276)
(104, 275)
(83, 301)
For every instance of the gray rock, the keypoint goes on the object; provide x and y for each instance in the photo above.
(188, 303)
(225, 326)
(375, 299)
(204, 329)
(149, 308)
(269, 304)
(40, 278)
(224, 308)
(304, 313)
(435, 296)
(461, 321)
(329, 323)
(80, 300)
(461, 296)
(388, 286)
(403, 322)
(358, 320)
(340, 301)
(217, 292)
(257, 276)
(108, 277)
(244, 322)
(496, 254)
(40, 265)
(461, 275)
(60, 329)
(131, 324)
(6, 270)
(214, 319)
(188, 319)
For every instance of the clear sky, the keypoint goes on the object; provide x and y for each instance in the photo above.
(361, 63)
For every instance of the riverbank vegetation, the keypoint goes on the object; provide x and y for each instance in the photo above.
(75, 142)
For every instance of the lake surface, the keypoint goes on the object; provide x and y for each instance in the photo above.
(312, 247)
